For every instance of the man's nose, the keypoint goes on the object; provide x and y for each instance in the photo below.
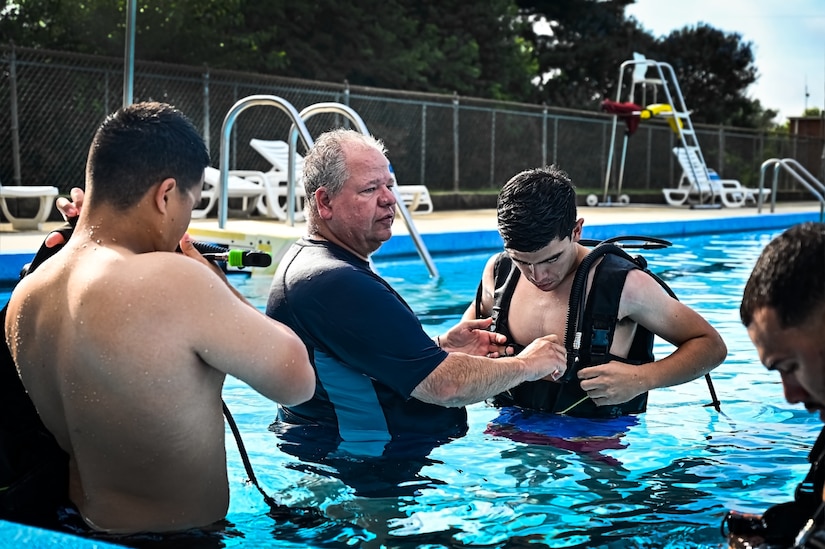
(388, 196)
(794, 392)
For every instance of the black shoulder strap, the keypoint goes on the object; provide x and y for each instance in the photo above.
(603, 307)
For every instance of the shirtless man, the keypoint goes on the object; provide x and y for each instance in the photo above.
(538, 223)
(124, 345)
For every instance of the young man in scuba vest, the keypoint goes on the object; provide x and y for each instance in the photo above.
(527, 290)
(783, 309)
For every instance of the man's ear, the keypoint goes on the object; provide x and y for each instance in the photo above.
(577, 230)
(323, 203)
(162, 193)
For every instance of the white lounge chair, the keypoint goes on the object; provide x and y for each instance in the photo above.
(44, 193)
(416, 198)
(274, 203)
(698, 184)
(244, 185)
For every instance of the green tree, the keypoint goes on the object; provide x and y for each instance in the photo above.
(172, 31)
(473, 49)
(714, 70)
(579, 57)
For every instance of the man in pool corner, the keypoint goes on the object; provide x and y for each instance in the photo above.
(783, 309)
(527, 289)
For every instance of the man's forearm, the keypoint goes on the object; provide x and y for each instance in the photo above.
(463, 379)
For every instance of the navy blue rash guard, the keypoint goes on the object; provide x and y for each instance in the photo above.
(368, 349)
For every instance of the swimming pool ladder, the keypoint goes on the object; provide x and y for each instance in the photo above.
(798, 172)
(299, 129)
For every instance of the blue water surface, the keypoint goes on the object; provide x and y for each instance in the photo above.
(661, 479)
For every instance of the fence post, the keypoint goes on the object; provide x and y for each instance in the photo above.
(423, 141)
(15, 126)
(455, 142)
(544, 134)
(493, 148)
(555, 139)
(206, 129)
(129, 53)
(721, 151)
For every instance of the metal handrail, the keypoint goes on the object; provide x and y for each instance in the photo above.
(355, 118)
(799, 173)
(226, 130)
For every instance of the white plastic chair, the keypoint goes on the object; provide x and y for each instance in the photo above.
(44, 193)
(246, 185)
(698, 184)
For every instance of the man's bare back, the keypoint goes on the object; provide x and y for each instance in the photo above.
(161, 400)
(124, 345)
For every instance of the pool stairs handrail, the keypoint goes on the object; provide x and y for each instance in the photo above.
(798, 173)
(355, 118)
(226, 131)
(297, 129)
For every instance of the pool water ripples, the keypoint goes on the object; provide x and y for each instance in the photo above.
(662, 479)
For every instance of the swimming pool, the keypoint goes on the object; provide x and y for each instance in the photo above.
(662, 479)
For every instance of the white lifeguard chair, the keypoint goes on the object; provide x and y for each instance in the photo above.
(661, 81)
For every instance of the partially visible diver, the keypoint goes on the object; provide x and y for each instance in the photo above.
(783, 309)
(527, 291)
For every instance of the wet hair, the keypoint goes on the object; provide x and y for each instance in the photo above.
(139, 146)
(536, 207)
(789, 276)
(325, 164)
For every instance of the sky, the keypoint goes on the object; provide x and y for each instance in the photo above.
(787, 40)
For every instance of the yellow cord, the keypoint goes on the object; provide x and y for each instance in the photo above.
(574, 405)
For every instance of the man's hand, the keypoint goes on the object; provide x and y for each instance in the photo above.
(473, 338)
(612, 383)
(70, 208)
(545, 354)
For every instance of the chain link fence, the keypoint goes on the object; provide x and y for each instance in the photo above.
(52, 102)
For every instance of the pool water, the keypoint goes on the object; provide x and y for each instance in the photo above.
(661, 479)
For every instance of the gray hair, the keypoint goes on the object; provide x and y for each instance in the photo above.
(325, 164)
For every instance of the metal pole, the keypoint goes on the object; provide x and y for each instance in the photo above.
(455, 142)
(423, 141)
(206, 128)
(129, 54)
(544, 136)
(493, 150)
(15, 126)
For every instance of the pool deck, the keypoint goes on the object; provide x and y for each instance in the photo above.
(460, 230)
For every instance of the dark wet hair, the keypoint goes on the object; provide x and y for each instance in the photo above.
(535, 207)
(789, 276)
(139, 146)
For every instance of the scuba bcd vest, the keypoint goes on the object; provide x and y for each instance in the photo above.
(591, 325)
